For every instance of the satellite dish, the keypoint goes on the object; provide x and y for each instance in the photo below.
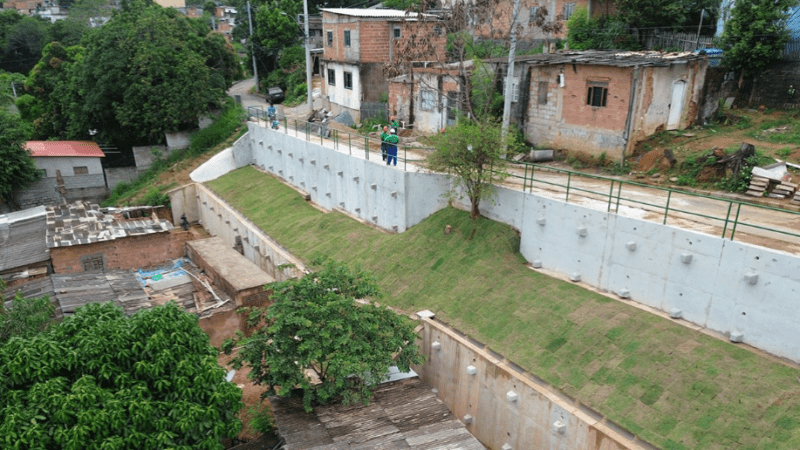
(230, 375)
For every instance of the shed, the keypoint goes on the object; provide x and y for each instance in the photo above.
(402, 415)
(239, 277)
(23, 251)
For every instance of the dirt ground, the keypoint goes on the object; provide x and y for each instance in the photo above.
(219, 327)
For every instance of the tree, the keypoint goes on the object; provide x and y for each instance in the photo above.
(100, 379)
(315, 324)
(17, 169)
(607, 32)
(147, 71)
(27, 316)
(51, 91)
(472, 154)
(755, 34)
(24, 42)
(669, 14)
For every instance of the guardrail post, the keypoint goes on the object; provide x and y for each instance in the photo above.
(666, 210)
(349, 144)
(286, 124)
(405, 159)
(296, 131)
(619, 195)
(569, 180)
(736, 221)
(366, 148)
(525, 178)
(610, 196)
(727, 219)
(307, 139)
(530, 186)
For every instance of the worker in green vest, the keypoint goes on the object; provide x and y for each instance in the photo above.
(383, 142)
(391, 146)
(393, 123)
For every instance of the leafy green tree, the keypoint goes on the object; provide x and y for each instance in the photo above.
(607, 32)
(26, 318)
(17, 169)
(755, 34)
(669, 14)
(315, 324)
(472, 154)
(275, 30)
(102, 380)
(6, 91)
(51, 91)
(24, 42)
(147, 71)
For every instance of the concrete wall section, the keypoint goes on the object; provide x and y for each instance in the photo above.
(243, 151)
(424, 196)
(220, 219)
(117, 175)
(183, 200)
(501, 406)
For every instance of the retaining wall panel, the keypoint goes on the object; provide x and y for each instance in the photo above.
(693, 302)
(425, 196)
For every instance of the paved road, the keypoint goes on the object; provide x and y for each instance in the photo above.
(706, 215)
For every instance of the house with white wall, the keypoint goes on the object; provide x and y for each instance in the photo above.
(70, 171)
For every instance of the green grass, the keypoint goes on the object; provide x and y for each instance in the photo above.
(674, 387)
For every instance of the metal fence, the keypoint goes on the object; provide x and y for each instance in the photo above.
(342, 140)
(738, 215)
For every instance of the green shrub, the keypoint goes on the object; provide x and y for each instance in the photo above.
(260, 419)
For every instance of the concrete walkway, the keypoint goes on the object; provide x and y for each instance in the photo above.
(713, 216)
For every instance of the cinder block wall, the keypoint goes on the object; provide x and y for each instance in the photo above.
(127, 253)
(502, 406)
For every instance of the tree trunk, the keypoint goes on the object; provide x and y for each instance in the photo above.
(474, 212)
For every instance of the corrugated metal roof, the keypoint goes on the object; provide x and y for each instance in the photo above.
(372, 13)
(83, 223)
(402, 414)
(615, 58)
(64, 148)
(22, 238)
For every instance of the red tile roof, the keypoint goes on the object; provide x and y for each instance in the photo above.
(64, 148)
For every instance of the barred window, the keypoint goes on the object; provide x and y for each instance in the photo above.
(348, 80)
(80, 170)
(347, 38)
(597, 94)
(332, 77)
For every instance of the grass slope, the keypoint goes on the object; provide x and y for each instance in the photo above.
(674, 387)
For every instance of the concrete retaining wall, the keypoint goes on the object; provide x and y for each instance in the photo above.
(220, 219)
(117, 175)
(367, 189)
(743, 291)
(502, 406)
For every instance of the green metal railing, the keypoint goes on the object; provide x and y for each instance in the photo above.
(731, 219)
(354, 142)
(614, 195)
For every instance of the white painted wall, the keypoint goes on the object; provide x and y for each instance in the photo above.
(348, 98)
(66, 164)
(707, 278)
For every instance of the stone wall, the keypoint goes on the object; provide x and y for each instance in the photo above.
(772, 87)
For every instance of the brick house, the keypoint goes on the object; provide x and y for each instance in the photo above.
(604, 101)
(358, 43)
(82, 238)
(70, 171)
(432, 97)
(498, 24)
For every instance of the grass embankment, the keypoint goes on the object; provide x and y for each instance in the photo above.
(674, 387)
(150, 187)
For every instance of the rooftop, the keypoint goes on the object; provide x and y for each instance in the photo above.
(22, 238)
(371, 13)
(229, 264)
(402, 415)
(618, 58)
(87, 149)
(83, 223)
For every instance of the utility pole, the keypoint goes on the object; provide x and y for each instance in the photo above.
(507, 92)
(252, 44)
(308, 57)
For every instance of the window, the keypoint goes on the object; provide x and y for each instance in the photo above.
(534, 11)
(514, 89)
(428, 100)
(332, 77)
(330, 38)
(92, 263)
(348, 80)
(80, 170)
(452, 105)
(569, 8)
(347, 38)
(597, 94)
(397, 33)
(543, 86)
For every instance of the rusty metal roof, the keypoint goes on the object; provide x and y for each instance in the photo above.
(84, 223)
(402, 415)
(87, 149)
(617, 58)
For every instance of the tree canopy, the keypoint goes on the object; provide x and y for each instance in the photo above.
(17, 169)
(100, 379)
(315, 325)
(755, 34)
